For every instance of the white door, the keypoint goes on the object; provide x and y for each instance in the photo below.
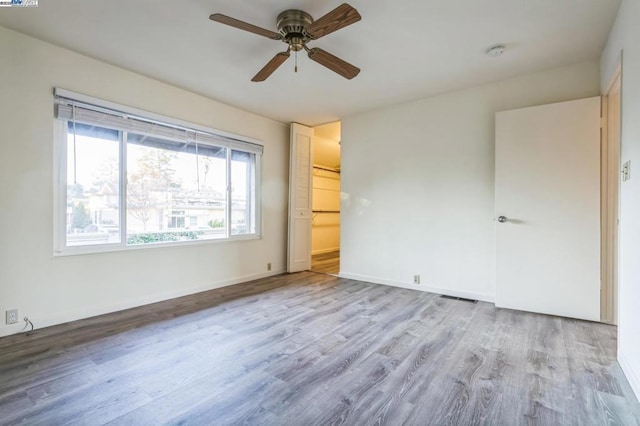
(300, 201)
(548, 209)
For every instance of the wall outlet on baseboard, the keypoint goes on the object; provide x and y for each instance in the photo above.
(12, 316)
(416, 279)
(268, 266)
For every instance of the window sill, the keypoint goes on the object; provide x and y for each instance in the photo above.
(116, 248)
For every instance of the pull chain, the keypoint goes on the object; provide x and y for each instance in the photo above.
(296, 58)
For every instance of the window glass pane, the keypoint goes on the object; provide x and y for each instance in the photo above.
(242, 193)
(93, 186)
(176, 191)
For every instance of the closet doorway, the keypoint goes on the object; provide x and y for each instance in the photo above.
(325, 225)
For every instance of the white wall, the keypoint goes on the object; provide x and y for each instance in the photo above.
(625, 36)
(326, 151)
(418, 183)
(331, 131)
(53, 290)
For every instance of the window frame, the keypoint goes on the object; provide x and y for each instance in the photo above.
(60, 179)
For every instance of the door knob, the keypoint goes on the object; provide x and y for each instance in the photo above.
(502, 219)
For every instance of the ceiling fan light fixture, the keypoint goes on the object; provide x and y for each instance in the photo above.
(497, 50)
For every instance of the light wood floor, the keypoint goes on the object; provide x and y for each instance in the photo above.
(326, 263)
(308, 349)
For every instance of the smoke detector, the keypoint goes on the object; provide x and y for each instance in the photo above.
(496, 50)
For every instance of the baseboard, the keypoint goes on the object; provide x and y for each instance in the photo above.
(421, 287)
(92, 311)
(632, 376)
(323, 251)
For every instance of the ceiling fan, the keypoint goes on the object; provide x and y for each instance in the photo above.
(296, 28)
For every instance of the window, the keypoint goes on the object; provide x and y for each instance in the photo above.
(129, 179)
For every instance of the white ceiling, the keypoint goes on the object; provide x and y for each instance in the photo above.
(406, 49)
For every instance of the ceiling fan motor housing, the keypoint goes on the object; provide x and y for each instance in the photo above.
(292, 26)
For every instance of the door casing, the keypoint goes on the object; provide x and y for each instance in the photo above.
(610, 184)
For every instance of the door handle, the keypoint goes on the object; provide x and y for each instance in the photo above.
(502, 219)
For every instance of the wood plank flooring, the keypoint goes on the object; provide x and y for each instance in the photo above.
(313, 349)
(326, 263)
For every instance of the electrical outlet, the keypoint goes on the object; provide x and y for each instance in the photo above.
(12, 316)
(268, 266)
(416, 279)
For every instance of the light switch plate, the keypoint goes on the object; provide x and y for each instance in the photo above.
(626, 171)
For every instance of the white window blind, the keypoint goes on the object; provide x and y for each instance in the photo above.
(83, 113)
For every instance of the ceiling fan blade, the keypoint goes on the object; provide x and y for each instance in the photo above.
(338, 18)
(227, 20)
(334, 63)
(271, 66)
